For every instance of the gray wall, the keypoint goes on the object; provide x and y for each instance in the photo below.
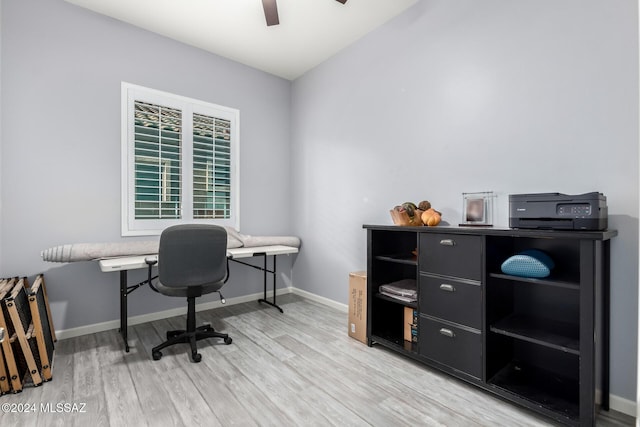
(452, 97)
(61, 73)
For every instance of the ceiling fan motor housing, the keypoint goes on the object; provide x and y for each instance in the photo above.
(271, 11)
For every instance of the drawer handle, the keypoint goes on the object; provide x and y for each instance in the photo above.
(447, 332)
(448, 288)
(447, 242)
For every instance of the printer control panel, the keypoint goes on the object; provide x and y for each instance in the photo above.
(573, 209)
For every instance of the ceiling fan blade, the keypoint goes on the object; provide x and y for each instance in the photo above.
(271, 12)
(342, 1)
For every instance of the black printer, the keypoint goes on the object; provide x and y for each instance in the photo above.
(558, 211)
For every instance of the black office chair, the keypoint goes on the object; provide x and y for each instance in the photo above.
(192, 261)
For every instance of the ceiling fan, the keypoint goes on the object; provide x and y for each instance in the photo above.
(271, 11)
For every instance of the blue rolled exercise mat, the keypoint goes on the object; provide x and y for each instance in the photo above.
(530, 263)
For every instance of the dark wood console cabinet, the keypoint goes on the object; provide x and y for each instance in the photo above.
(540, 343)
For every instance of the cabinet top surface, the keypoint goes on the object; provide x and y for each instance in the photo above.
(497, 231)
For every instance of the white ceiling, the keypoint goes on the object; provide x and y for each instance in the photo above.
(310, 31)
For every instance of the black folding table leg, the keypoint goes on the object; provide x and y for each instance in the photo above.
(264, 277)
(274, 281)
(265, 270)
(123, 308)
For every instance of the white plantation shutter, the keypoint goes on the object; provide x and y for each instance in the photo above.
(179, 162)
(158, 170)
(211, 167)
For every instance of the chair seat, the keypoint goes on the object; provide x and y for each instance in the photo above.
(182, 292)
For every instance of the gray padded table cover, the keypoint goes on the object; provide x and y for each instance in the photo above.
(95, 251)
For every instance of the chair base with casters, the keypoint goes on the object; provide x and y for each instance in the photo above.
(191, 335)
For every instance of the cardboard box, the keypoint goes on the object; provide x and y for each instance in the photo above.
(410, 324)
(358, 305)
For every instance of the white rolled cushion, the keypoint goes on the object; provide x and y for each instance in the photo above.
(253, 241)
(91, 251)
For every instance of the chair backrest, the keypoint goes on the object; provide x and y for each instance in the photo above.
(192, 255)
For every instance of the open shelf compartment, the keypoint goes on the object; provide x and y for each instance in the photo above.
(564, 252)
(553, 392)
(387, 324)
(554, 334)
(540, 375)
(547, 316)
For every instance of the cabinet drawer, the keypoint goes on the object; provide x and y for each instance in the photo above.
(455, 347)
(456, 255)
(451, 300)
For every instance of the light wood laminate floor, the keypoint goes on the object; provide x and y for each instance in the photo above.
(294, 369)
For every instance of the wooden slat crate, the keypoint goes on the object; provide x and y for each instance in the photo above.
(28, 346)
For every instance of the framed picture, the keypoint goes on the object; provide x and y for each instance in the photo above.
(477, 209)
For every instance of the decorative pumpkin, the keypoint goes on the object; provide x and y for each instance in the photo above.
(431, 217)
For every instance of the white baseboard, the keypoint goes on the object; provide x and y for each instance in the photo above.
(322, 300)
(623, 405)
(617, 403)
(149, 317)
(180, 311)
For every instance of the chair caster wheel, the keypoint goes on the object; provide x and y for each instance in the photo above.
(196, 357)
(157, 355)
(228, 340)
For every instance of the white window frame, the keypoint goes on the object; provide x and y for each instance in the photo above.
(138, 227)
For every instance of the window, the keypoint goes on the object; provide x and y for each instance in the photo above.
(179, 162)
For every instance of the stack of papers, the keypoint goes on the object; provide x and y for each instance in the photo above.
(403, 290)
